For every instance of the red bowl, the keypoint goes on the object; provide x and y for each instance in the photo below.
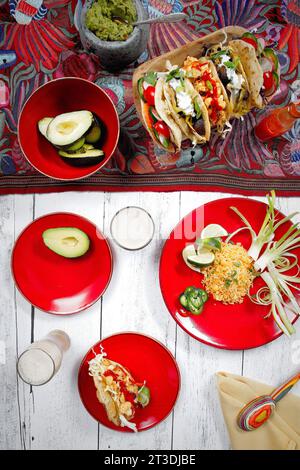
(62, 96)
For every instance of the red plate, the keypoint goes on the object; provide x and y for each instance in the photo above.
(239, 326)
(56, 284)
(146, 359)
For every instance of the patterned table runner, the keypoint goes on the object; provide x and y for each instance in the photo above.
(48, 47)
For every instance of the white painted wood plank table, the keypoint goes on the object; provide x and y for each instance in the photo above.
(52, 416)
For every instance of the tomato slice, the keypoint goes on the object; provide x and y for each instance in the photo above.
(268, 80)
(250, 41)
(149, 95)
(162, 129)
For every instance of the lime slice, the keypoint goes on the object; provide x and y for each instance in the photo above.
(202, 259)
(213, 231)
(209, 244)
(190, 250)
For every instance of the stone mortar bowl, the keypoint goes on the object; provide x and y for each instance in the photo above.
(116, 55)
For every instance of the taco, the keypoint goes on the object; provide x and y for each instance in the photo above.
(117, 391)
(157, 115)
(253, 71)
(204, 78)
(187, 107)
(233, 77)
(261, 66)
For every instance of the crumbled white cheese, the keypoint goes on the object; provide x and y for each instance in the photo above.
(235, 78)
(184, 100)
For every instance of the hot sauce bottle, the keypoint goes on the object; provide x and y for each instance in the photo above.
(277, 122)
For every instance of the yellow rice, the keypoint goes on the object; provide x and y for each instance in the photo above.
(231, 275)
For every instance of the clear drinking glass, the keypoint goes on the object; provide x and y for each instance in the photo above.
(38, 364)
(132, 228)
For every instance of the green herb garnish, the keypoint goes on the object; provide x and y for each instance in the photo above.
(173, 74)
(218, 54)
(230, 65)
(209, 85)
(151, 78)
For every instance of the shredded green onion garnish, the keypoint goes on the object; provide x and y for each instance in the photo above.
(273, 263)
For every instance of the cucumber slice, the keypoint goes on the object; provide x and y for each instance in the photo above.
(250, 36)
(161, 139)
(164, 141)
(153, 114)
(270, 55)
(141, 89)
(202, 259)
(213, 231)
(261, 44)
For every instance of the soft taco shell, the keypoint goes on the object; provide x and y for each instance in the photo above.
(147, 123)
(252, 69)
(105, 397)
(235, 109)
(187, 130)
(224, 92)
(164, 112)
(214, 73)
(106, 400)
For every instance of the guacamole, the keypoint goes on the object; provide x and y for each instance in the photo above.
(100, 19)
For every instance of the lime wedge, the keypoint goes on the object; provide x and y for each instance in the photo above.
(202, 259)
(188, 251)
(212, 244)
(213, 231)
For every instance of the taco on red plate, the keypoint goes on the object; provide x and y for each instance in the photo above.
(117, 391)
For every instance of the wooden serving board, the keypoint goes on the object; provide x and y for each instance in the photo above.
(178, 56)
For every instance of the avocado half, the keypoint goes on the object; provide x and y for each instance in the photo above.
(68, 242)
(67, 128)
(43, 125)
(85, 158)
